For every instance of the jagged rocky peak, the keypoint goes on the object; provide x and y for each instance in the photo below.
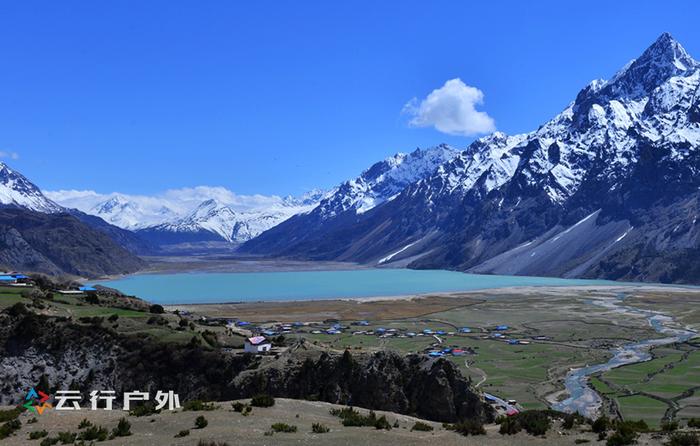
(664, 59)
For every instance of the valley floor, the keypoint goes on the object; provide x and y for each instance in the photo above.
(561, 326)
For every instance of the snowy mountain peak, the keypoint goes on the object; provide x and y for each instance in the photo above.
(209, 208)
(384, 180)
(115, 204)
(665, 58)
(17, 190)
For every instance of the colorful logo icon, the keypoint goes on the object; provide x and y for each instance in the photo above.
(37, 401)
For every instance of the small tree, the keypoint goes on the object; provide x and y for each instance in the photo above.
(200, 422)
(123, 429)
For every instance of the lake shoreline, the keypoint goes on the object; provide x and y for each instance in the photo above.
(490, 293)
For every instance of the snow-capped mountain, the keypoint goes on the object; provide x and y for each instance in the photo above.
(189, 215)
(216, 221)
(17, 190)
(128, 214)
(383, 181)
(612, 176)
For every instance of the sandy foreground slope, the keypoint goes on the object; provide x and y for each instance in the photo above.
(234, 429)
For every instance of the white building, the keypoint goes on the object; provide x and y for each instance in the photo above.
(257, 344)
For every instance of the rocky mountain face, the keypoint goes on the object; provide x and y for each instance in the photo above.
(33, 345)
(59, 243)
(608, 188)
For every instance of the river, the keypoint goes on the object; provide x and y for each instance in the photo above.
(586, 401)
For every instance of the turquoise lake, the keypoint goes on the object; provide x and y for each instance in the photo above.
(310, 285)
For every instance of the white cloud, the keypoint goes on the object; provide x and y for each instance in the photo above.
(10, 155)
(451, 109)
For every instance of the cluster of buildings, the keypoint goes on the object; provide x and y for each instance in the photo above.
(14, 278)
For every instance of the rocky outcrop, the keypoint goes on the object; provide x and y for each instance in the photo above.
(415, 384)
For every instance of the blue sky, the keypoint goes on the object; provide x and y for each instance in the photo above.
(280, 97)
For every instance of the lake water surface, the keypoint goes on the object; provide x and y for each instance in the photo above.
(310, 285)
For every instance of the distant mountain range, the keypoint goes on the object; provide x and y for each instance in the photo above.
(204, 215)
(608, 188)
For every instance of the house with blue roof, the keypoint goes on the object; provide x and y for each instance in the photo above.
(8, 279)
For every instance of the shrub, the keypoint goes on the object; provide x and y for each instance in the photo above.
(637, 426)
(470, 427)
(211, 443)
(143, 410)
(509, 426)
(49, 441)
(694, 422)
(684, 439)
(156, 309)
(283, 427)
(602, 424)
(200, 422)
(69, 437)
(623, 435)
(318, 428)
(123, 429)
(9, 414)
(423, 427)
(351, 417)
(244, 409)
(581, 441)
(38, 434)
(669, 426)
(535, 422)
(93, 433)
(198, 405)
(113, 318)
(85, 423)
(9, 428)
(262, 400)
(570, 420)
(382, 423)
(182, 433)
(32, 420)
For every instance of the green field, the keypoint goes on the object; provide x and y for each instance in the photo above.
(648, 390)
